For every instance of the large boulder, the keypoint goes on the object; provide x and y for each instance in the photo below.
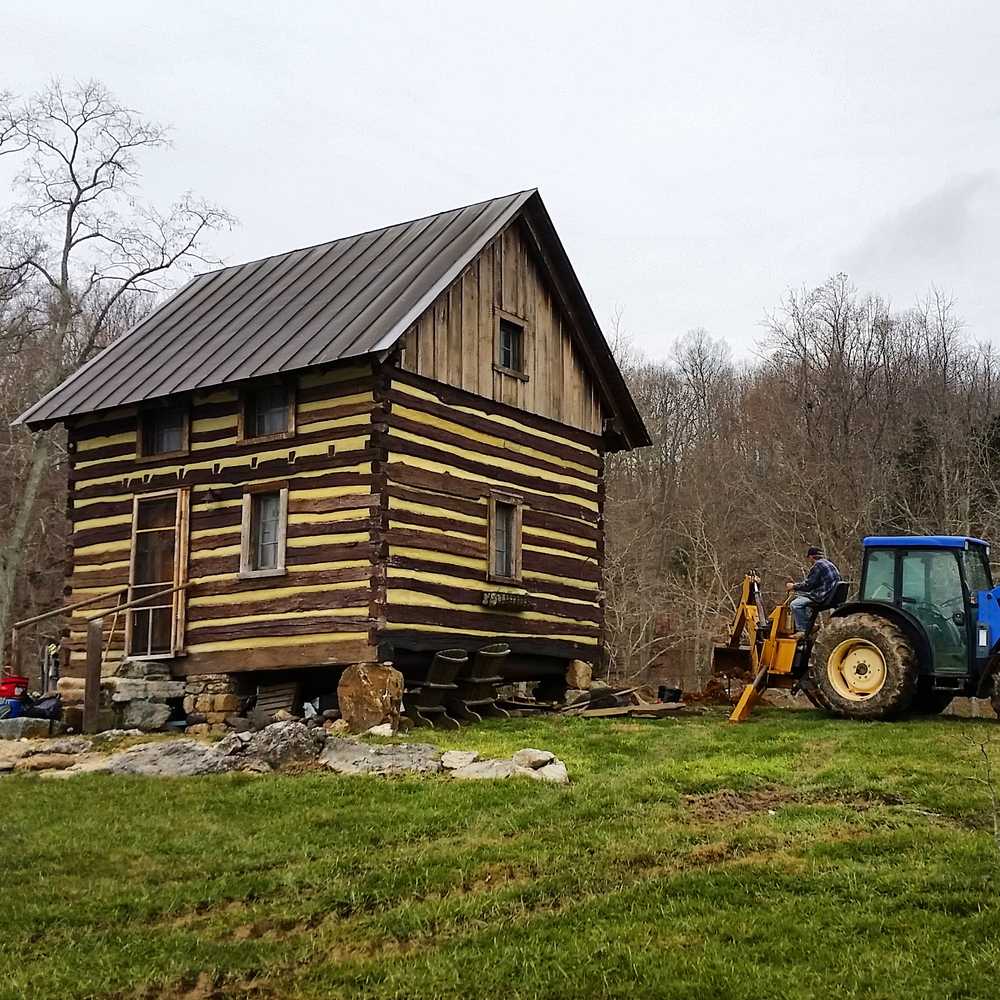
(370, 694)
(493, 769)
(529, 757)
(452, 760)
(276, 745)
(163, 759)
(132, 689)
(46, 762)
(578, 674)
(555, 772)
(23, 728)
(145, 715)
(351, 757)
(11, 751)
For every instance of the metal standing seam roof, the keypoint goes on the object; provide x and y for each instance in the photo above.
(312, 306)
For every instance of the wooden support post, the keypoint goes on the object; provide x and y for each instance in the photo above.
(15, 651)
(92, 688)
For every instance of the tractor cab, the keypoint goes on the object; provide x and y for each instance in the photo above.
(935, 586)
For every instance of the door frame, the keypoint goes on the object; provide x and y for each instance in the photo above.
(178, 615)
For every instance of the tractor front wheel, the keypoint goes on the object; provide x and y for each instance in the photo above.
(863, 667)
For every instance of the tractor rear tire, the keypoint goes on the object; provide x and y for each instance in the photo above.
(864, 667)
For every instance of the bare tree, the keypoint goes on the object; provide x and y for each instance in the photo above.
(78, 251)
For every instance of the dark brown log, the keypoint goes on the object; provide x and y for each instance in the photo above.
(451, 396)
(536, 484)
(252, 604)
(532, 518)
(458, 594)
(408, 475)
(334, 411)
(316, 505)
(267, 629)
(404, 518)
(247, 449)
(333, 390)
(436, 543)
(542, 587)
(570, 569)
(446, 501)
(275, 658)
(513, 434)
(449, 438)
(294, 578)
(449, 620)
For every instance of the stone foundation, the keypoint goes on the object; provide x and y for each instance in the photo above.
(209, 699)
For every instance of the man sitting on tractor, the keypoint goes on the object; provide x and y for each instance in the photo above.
(814, 591)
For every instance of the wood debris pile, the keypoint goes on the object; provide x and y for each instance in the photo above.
(602, 703)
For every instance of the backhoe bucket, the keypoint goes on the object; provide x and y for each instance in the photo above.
(731, 661)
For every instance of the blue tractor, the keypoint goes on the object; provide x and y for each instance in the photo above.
(923, 630)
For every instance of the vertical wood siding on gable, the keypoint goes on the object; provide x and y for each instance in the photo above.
(446, 451)
(315, 613)
(453, 341)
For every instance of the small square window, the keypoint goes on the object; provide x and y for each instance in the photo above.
(267, 412)
(265, 516)
(163, 432)
(510, 354)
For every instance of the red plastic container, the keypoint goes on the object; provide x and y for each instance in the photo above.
(13, 686)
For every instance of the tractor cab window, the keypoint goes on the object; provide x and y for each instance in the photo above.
(880, 571)
(977, 570)
(932, 593)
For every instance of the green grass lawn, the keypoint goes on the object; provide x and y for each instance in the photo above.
(793, 856)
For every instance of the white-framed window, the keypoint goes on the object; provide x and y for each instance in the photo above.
(264, 531)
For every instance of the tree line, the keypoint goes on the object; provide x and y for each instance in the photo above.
(853, 417)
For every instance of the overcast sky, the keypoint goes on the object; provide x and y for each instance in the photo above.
(697, 158)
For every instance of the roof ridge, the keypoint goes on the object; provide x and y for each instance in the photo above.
(368, 232)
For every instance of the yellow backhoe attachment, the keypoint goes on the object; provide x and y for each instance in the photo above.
(761, 648)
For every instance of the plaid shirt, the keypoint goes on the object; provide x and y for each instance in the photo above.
(820, 583)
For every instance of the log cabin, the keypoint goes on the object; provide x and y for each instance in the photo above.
(362, 451)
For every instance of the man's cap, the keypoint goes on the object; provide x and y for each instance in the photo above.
(813, 551)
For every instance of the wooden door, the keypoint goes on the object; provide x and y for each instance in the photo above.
(159, 560)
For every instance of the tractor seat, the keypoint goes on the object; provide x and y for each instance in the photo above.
(838, 597)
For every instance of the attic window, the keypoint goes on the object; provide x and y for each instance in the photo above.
(163, 431)
(510, 346)
(268, 412)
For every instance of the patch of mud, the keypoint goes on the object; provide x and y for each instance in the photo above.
(726, 805)
(206, 986)
(718, 807)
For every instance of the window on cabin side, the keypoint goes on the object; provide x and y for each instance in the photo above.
(163, 432)
(265, 515)
(510, 354)
(505, 538)
(267, 412)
